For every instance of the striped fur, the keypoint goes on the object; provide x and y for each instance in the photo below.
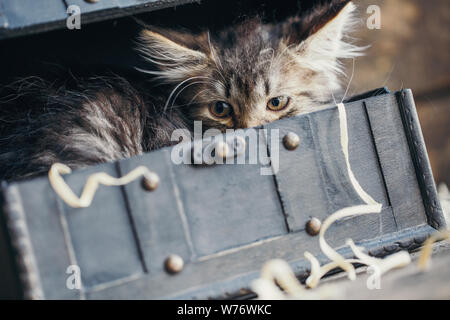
(100, 119)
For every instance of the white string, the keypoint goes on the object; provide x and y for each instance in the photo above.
(276, 270)
(344, 145)
(92, 183)
(337, 261)
(371, 205)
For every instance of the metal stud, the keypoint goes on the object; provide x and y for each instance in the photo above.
(174, 263)
(150, 181)
(291, 141)
(313, 226)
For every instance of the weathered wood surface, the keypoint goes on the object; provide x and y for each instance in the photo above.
(29, 16)
(226, 220)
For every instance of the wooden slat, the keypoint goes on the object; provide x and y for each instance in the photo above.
(48, 238)
(229, 205)
(26, 13)
(87, 7)
(30, 16)
(419, 157)
(102, 237)
(227, 220)
(157, 215)
(299, 203)
(3, 19)
(313, 179)
(396, 162)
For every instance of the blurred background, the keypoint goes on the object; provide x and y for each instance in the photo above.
(412, 50)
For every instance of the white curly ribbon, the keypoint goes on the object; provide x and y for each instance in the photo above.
(91, 186)
(290, 284)
(371, 206)
(275, 271)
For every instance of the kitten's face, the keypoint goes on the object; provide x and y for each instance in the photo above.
(253, 73)
(256, 84)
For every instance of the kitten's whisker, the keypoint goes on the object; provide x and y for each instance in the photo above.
(277, 59)
(192, 100)
(389, 75)
(178, 86)
(334, 98)
(200, 92)
(349, 82)
(185, 87)
(178, 106)
(284, 51)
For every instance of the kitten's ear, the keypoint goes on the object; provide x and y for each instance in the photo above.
(321, 35)
(175, 55)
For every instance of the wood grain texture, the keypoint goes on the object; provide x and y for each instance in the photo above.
(29, 16)
(226, 220)
(319, 164)
(420, 160)
(157, 215)
(229, 205)
(101, 232)
(47, 237)
(396, 162)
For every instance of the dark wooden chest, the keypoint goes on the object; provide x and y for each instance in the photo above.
(225, 220)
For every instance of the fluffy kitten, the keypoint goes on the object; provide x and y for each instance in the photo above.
(243, 76)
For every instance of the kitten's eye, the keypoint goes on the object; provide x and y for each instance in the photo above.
(220, 109)
(278, 103)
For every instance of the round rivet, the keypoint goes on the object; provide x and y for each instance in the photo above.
(150, 181)
(291, 141)
(174, 263)
(313, 226)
